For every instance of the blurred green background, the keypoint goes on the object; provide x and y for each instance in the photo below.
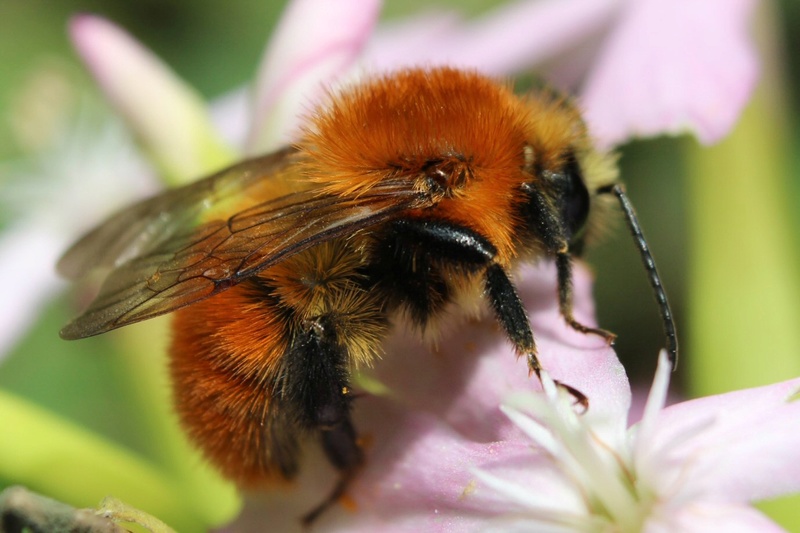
(722, 222)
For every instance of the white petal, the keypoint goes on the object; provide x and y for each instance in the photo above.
(537, 433)
(28, 253)
(656, 398)
(705, 517)
(231, 115)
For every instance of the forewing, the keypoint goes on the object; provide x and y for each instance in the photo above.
(146, 225)
(193, 265)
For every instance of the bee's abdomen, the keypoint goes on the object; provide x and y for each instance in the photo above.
(267, 362)
(226, 359)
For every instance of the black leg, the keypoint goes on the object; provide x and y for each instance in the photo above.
(512, 317)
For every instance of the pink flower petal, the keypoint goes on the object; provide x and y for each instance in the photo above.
(169, 118)
(705, 516)
(421, 476)
(411, 40)
(745, 452)
(418, 478)
(514, 37)
(441, 420)
(316, 42)
(672, 66)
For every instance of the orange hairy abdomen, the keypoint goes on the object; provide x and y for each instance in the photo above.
(225, 355)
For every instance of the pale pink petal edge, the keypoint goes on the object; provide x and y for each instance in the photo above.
(672, 67)
(315, 43)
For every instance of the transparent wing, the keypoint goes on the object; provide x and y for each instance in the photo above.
(145, 225)
(201, 261)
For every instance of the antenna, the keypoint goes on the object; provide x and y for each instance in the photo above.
(650, 266)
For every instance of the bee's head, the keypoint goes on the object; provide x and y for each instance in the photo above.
(564, 204)
(562, 207)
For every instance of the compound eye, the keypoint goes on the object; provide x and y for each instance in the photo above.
(574, 198)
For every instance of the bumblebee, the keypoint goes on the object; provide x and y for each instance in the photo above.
(406, 194)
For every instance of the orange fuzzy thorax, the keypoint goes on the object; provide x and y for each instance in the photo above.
(393, 126)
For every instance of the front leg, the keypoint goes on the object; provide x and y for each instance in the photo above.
(512, 317)
(430, 242)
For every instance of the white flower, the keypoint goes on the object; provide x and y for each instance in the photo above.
(91, 168)
(693, 466)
